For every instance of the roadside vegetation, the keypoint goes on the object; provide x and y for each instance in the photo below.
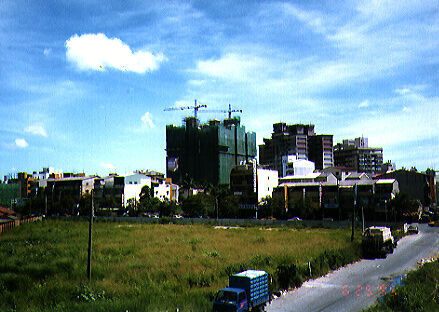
(155, 267)
(419, 292)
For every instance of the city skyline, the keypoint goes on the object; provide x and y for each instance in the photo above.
(83, 86)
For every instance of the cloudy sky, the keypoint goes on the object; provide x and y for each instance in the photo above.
(83, 84)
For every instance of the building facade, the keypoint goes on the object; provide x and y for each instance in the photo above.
(205, 154)
(358, 156)
(418, 185)
(336, 198)
(252, 183)
(296, 140)
(166, 190)
(293, 166)
(321, 150)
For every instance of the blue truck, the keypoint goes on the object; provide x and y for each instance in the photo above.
(247, 291)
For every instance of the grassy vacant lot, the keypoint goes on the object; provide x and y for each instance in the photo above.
(139, 267)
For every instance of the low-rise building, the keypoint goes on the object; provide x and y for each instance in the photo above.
(418, 185)
(253, 183)
(133, 184)
(166, 190)
(335, 198)
(293, 166)
(75, 186)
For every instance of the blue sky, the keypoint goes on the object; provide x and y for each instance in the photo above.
(83, 84)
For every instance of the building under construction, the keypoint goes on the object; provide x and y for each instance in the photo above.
(205, 154)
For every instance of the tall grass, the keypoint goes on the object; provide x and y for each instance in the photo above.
(140, 267)
(419, 292)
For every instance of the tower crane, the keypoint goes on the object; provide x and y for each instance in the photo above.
(229, 111)
(195, 108)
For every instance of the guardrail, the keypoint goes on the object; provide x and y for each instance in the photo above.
(9, 225)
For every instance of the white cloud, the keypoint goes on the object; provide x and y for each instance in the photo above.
(47, 52)
(365, 103)
(36, 130)
(107, 165)
(310, 18)
(97, 52)
(147, 120)
(402, 91)
(412, 123)
(231, 66)
(196, 82)
(21, 143)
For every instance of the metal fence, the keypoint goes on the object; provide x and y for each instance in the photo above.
(9, 225)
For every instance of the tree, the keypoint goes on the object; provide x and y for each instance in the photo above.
(132, 207)
(147, 201)
(430, 172)
(168, 208)
(146, 193)
(402, 206)
(198, 205)
(228, 206)
(84, 205)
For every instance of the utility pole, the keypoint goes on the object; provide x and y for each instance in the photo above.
(362, 214)
(353, 212)
(90, 231)
(216, 204)
(45, 203)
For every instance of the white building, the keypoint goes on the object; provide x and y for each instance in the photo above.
(166, 191)
(316, 178)
(293, 166)
(133, 186)
(45, 174)
(267, 181)
(248, 179)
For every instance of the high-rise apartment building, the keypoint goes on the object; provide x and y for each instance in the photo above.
(320, 150)
(357, 155)
(296, 140)
(207, 153)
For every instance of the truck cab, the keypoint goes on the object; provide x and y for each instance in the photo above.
(377, 240)
(247, 291)
(230, 299)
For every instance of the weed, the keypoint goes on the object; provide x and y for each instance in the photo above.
(153, 267)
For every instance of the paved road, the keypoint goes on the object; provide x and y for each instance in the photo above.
(358, 285)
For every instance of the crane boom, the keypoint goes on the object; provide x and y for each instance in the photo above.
(195, 108)
(229, 111)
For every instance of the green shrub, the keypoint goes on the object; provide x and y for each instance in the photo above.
(288, 276)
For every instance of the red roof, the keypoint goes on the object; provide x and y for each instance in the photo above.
(6, 211)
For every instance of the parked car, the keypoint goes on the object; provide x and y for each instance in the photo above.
(295, 219)
(413, 229)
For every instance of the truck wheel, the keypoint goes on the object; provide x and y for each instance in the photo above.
(391, 248)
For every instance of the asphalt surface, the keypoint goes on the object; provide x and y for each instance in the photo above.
(359, 285)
